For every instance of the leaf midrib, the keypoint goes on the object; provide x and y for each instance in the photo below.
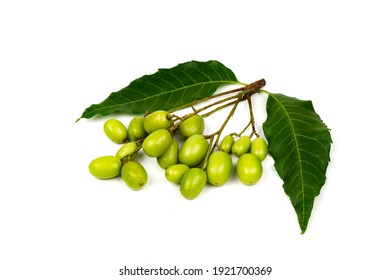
(299, 155)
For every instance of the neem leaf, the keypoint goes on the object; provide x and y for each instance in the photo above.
(299, 143)
(166, 89)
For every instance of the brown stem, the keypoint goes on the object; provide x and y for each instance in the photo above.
(255, 86)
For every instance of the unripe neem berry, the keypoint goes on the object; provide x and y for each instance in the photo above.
(170, 157)
(105, 167)
(134, 175)
(227, 143)
(219, 168)
(157, 143)
(175, 173)
(192, 183)
(115, 130)
(193, 150)
(259, 148)
(241, 146)
(249, 169)
(191, 126)
(128, 149)
(157, 120)
(136, 128)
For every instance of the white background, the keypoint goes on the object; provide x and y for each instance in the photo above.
(59, 57)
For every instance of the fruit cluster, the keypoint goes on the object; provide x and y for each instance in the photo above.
(190, 165)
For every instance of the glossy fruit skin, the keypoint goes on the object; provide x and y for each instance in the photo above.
(175, 173)
(157, 120)
(105, 167)
(134, 175)
(193, 150)
(259, 148)
(249, 169)
(192, 183)
(191, 126)
(126, 150)
(170, 157)
(241, 146)
(227, 143)
(157, 143)
(136, 128)
(115, 130)
(219, 168)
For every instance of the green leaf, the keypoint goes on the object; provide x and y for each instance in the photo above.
(299, 143)
(166, 89)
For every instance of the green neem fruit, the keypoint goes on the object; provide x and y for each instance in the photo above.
(227, 143)
(191, 126)
(105, 167)
(174, 173)
(259, 148)
(134, 175)
(192, 183)
(219, 168)
(157, 120)
(241, 146)
(128, 149)
(136, 128)
(193, 150)
(115, 130)
(170, 157)
(157, 143)
(249, 169)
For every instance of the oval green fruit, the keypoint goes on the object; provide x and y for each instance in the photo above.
(134, 175)
(219, 168)
(105, 167)
(192, 183)
(193, 150)
(115, 130)
(157, 120)
(191, 126)
(259, 148)
(249, 169)
(136, 128)
(241, 146)
(227, 143)
(128, 149)
(170, 157)
(175, 173)
(157, 143)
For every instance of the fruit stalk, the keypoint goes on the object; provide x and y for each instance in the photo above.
(252, 118)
